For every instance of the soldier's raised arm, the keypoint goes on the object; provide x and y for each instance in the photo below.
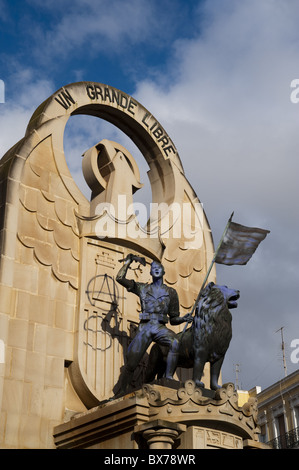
(121, 275)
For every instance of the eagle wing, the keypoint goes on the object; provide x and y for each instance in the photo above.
(47, 222)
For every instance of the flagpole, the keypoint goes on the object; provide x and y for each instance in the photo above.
(210, 268)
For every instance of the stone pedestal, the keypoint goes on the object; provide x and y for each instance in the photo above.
(159, 417)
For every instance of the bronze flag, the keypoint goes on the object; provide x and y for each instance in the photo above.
(239, 244)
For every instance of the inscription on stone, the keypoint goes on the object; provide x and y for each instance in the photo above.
(111, 96)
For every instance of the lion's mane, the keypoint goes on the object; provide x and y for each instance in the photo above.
(213, 323)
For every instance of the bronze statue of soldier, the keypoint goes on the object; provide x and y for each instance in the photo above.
(158, 303)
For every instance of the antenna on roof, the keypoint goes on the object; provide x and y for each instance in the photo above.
(283, 350)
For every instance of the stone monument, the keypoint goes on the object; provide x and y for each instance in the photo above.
(65, 323)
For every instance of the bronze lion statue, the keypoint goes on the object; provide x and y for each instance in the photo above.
(207, 340)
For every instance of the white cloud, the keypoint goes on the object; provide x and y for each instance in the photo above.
(228, 111)
(109, 27)
(23, 94)
(231, 101)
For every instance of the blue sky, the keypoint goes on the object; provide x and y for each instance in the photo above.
(122, 41)
(217, 75)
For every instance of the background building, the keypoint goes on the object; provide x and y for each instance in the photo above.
(278, 413)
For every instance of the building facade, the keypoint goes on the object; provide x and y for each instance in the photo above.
(278, 413)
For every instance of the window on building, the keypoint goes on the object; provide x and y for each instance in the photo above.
(281, 431)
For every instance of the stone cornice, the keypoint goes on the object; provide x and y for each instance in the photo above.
(191, 404)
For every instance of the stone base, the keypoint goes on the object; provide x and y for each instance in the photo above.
(160, 417)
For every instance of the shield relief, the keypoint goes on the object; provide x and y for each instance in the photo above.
(108, 318)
